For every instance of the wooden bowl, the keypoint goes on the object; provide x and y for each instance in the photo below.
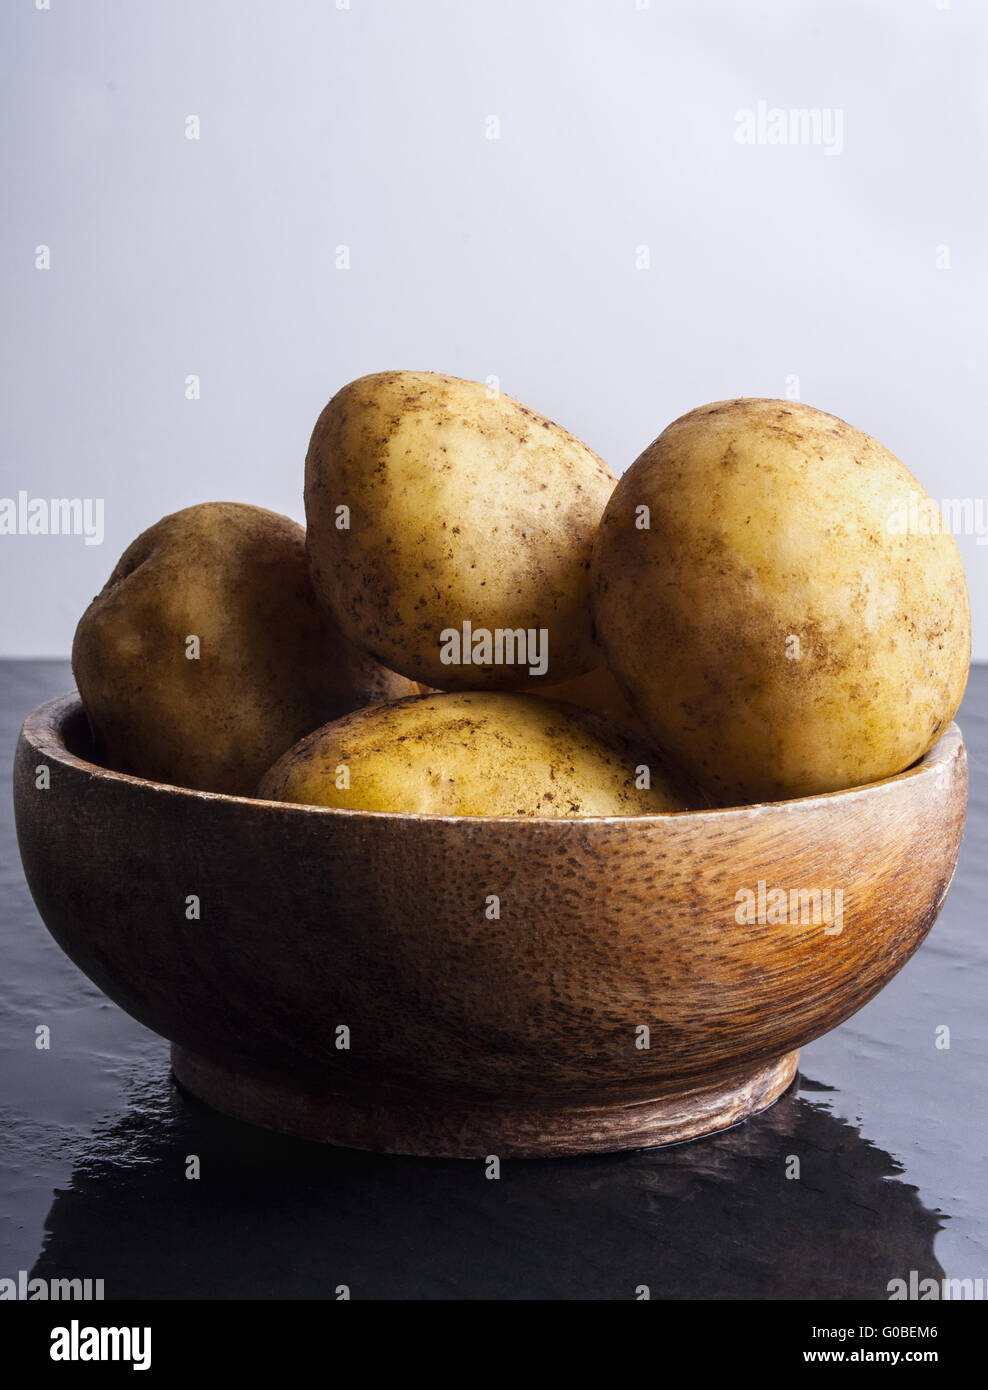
(346, 978)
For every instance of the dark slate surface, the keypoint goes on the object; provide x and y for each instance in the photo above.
(890, 1132)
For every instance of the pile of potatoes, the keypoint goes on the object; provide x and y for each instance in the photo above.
(480, 619)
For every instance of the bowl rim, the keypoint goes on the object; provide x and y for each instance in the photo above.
(43, 730)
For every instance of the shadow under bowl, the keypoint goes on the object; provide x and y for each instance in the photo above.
(468, 986)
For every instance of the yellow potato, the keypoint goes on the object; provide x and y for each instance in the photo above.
(476, 754)
(432, 504)
(206, 654)
(782, 627)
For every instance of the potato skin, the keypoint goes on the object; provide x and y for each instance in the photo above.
(463, 506)
(272, 665)
(475, 754)
(770, 521)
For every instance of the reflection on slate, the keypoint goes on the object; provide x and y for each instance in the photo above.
(273, 1217)
(97, 1135)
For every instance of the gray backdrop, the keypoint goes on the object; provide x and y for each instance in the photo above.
(591, 202)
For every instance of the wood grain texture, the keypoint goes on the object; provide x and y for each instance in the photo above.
(455, 1128)
(314, 918)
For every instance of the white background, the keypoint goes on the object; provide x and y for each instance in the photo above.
(514, 257)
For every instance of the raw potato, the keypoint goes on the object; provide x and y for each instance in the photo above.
(597, 691)
(477, 754)
(777, 628)
(463, 507)
(271, 664)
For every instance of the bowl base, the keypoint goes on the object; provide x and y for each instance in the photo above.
(476, 1129)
